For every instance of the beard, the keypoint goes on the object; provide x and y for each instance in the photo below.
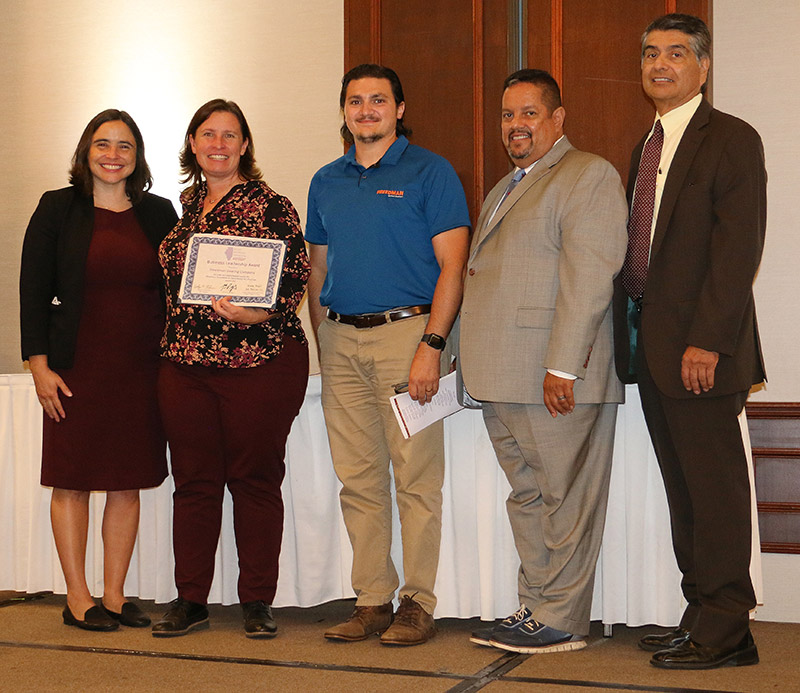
(523, 153)
(520, 155)
(369, 139)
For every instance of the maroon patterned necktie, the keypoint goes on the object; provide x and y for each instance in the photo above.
(640, 224)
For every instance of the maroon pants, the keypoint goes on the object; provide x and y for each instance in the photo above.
(228, 426)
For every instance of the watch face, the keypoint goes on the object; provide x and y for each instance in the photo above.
(434, 340)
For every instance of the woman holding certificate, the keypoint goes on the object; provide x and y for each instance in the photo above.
(91, 318)
(233, 375)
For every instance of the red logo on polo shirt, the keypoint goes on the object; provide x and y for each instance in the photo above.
(390, 193)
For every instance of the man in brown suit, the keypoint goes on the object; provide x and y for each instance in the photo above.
(685, 330)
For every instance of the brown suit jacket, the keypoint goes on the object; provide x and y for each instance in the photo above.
(706, 250)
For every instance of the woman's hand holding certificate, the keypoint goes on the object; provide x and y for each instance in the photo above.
(246, 315)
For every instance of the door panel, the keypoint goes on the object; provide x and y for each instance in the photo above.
(452, 57)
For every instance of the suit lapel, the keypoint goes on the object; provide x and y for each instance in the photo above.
(692, 138)
(539, 171)
(78, 225)
(481, 229)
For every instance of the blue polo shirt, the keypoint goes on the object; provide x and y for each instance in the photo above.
(378, 223)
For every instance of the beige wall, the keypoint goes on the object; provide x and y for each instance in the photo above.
(755, 59)
(756, 53)
(159, 60)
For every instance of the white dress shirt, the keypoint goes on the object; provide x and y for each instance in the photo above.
(674, 123)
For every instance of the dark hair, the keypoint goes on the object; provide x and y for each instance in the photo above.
(551, 94)
(80, 175)
(247, 162)
(377, 72)
(694, 27)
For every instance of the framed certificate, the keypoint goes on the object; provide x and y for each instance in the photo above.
(247, 269)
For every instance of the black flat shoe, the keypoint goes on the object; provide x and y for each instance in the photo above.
(94, 619)
(692, 655)
(258, 620)
(182, 617)
(664, 641)
(131, 616)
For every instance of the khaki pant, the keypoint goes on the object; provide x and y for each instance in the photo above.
(359, 370)
(559, 470)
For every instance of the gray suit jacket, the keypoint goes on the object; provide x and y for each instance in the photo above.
(539, 282)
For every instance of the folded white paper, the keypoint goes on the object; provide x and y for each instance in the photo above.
(413, 416)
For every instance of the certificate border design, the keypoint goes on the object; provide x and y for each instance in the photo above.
(270, 297)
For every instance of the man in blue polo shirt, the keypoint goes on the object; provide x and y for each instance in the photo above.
(388, 230)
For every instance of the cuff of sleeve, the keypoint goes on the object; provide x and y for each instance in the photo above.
(562, 374)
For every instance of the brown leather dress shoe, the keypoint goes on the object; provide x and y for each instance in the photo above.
(412, 625)
(692, 655)
(664, 641)
(363, 622)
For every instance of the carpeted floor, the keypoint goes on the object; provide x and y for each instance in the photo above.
(38, 653)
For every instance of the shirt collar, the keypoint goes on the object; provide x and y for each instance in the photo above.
(390, 157)
(679, 117)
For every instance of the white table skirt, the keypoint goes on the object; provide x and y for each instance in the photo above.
(637, 578)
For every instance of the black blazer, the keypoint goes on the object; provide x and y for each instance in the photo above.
(707, 246)
(53, 265)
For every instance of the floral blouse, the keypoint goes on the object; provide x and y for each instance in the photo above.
(195, 334)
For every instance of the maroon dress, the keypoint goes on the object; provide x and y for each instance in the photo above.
(111, 438)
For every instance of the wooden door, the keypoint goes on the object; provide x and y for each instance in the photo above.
(453, 55)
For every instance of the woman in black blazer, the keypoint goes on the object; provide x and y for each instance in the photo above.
(91, 321)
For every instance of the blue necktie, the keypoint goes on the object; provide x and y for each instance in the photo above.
(518, 176)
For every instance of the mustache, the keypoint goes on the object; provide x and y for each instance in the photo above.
(519, 131)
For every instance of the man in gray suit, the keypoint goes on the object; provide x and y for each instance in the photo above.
(536, 351)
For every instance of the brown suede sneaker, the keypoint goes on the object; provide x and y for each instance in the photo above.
(412, 625)
(363, 622)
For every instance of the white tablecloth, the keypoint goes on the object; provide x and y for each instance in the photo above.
(637, 579)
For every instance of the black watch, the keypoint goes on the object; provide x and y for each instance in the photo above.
(434, 340)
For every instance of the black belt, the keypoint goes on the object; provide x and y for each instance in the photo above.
(375, 319)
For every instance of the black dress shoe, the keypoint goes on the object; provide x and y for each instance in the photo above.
(664, 641)
(258, 620)
(691, 655)
(94, 619)
(131, 616)
(182, 617)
